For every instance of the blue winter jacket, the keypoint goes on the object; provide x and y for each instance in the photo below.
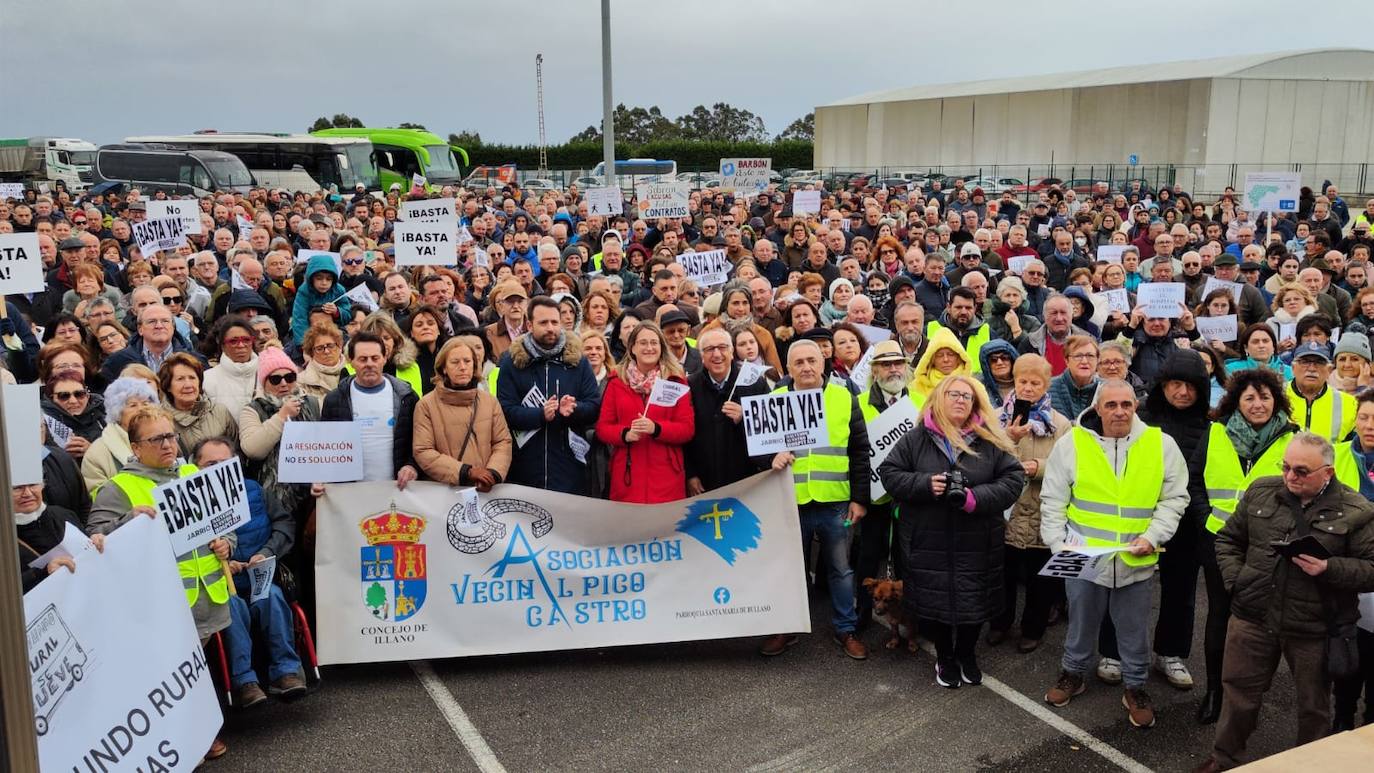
(307, 298)
(546, 460)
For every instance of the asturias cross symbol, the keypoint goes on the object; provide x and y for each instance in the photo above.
(716, 515)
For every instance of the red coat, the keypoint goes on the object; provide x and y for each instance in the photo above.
(650, 470)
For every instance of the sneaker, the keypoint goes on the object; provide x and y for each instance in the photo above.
(851, 645)
(1139, 707)
(1066, 689)
(947, 673)
(1176, 671)
(777, 644)
(288, 687)
(970, 672)
(1109, 670)
(249, 695)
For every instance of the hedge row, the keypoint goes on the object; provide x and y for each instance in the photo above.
(688, 155)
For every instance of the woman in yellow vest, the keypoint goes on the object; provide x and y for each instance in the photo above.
(1354, 460)
(1249, 432)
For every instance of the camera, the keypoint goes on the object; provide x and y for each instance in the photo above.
(956, 487)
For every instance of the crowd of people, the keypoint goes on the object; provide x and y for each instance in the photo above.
(1054, 414)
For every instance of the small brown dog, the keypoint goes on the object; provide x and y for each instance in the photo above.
(887, 601)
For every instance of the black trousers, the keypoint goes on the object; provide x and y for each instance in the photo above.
(1218, 613)
(951, 641)
(1348, 690)
(1021, 567)
(1178, 567)
(877, 542)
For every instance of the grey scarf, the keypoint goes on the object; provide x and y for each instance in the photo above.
(540, 353)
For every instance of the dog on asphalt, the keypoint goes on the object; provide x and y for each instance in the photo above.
(887, 601)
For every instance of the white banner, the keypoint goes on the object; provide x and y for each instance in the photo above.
(426, 242)
(666, 393)
(784, 421)
(22, 422)
(1161, 299)
(185, 210)
(1222, 329)
(883, 433)
(1115, 300)
(119, 680)
(529, 570)
(11, 191)
(873, 335)
(1272, 191)
(157, 234)
(605, 200)
(429, 210)
(21, 264)
(708, 268)
(200, 507)
(320, 452)
(666, 199)
(1017, 263)
(1221, 284)
(745, 174)
(806, 202)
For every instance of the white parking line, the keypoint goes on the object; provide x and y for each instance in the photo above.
(457, 718)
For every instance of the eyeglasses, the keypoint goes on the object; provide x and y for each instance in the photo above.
(1034, 273)
(1300, 472)
(158, 440)
(157, 322)
(962, 397)
(1083, 357)
(75, 394)
(168, 300)
(239, 341)
(276, 378)
(716, 348)
(325, 348)
(691, 294)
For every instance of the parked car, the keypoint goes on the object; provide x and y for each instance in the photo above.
(1038, 184)
(539, 184)
(1086, 185)
(993, 186)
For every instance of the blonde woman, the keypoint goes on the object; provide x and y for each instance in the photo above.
(954, 476)
(461, 437)
(1292, 302)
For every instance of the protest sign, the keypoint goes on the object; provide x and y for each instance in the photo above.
(304, 256)
(873, 335)
(260, 579)
(706, 268)
(533, 399)
(1272, 191)
(429, 210)
(1161, 299)
(74, 543)
(21, 264)
(22, 422)
(11, 191)
(1076, 564)
(1222, 328)
(806, 202)
(1017, 263)
(418, 183)
(59, 433)
(362, 296)
(245, 228)
(883, 433)
(480, 257)
(745, 174)
(426, 242)
(784, 421)
(320, 452)
(605, 200)
(540, 570)
(185, 210)
(1213, 283)
(1115, 300)
(203, 506)
(859, 374)
(1288, 331)
(665, 199)
(666, 393)
(1043, 230)
(1111, 253)
(157, 234)
(749, 374)
(116, 667)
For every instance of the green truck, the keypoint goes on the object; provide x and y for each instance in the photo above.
(403, 153)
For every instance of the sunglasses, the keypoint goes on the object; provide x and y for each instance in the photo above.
(238, 341)
(168, 300)
(353, 262)
(276, 379)
(75, 394)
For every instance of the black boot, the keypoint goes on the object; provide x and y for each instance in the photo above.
(1209, 711)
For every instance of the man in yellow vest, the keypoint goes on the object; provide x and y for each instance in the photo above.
(832, 485)
(1116, 488)
(961, 318)
(1317, 406)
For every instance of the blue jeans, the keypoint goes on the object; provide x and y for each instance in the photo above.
(826, 520)
(271, 618)
(1130, 610)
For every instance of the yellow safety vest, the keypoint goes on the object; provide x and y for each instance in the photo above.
(870, 413)
(409, 374)
(822, 474)
(491, 380)
(1225, 479)
(1332, 417)
(201, 568)
(975, 342)
(1110, 511)
(1347, 469)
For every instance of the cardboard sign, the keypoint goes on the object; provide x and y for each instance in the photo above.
(1272, 191)
(1161, 299)
(1017, 264)
(784, 421)
(1111, 253)
(203, 506)
(1220, 284)
(747, 174)
(185, 210)
(11, 191)
(320, 452)
(21, 264)
(666, 393)
(806, 202)
(429, 210)
(1043, 231)
(426, 242)
(1222, 329)
(665, 199)
(883, 433)
(22, 432)
(260, 580)
(157, 234)
(706, 268)
(605, 200)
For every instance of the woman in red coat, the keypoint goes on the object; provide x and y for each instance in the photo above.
(646, 440)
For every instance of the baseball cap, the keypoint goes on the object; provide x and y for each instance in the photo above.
(968, 249)
(1312, 349)
(888, 351)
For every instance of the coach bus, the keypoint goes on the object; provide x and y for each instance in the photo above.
(637, 171)
(290, 161)
(403, 153)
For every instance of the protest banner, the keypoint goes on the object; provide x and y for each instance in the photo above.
(361, 296)
(200, 507)
(304, 256)
(1016, 264)
(1272, 191)
(1161, 299)
(320, 452)
(1110, 253)
(605, 200)
(185, 210)
(1115, 300)
(530, 570)
(11, 191)
(666, 393)
(806, 202)
(429, 210)
(22, 423)
(784, 421)
(708, 268)
(426, 242)
(260, 579)
(118, 675)
(1235, 288)
(883, 433)
(665, 199)
(1224, 328)
(156, 234)
(745, 174)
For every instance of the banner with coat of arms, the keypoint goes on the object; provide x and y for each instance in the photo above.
(437, 572)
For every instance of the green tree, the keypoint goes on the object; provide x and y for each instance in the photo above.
(339, 121)
(803, 128)
(722, 122)
(465, 139)
(409, 125)
(376, 599)
(633, 125)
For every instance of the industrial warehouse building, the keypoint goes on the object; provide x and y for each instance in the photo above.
(1208, 120)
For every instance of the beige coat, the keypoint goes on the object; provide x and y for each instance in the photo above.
(441, 421)
(106, 456)
(1023, 530)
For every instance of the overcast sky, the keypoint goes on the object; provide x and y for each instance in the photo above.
(103, 71)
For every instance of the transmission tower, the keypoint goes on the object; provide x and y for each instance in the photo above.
(539, 88)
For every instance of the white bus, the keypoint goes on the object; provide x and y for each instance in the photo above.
(293, 162)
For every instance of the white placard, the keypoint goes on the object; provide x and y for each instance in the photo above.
(1222, 329)
(157, 234)
(749, 374)
(73, 544)
(708, 268)
(1161, 299)
(605, 200)
(806, 202)
(1017, 263)
(245, 229)
(1043, 230)
(533, 399)
(1288, 331)
(666, 393)
(11, 191)
(579, 446)
(203, 506)
(884, 431)
(1115, 300)
(260, 579)
(784, 421)
(320, 452)
(1080, 563)
(21, 264)
(1272, 191)
(304, 256)
(185, 210)
(859, 374)
(665, 199)
(426, 242)
(59, 433)
(1111, 253)
(1220, 284)
(361, 295)
(22, 432)
(418, 180)
(429, 210)
(480, 257)
(873, 335)
(745, 174)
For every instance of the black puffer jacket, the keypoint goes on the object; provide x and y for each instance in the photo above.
(1188, 427)
(954, 569)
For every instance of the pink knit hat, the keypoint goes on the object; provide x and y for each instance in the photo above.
(272, 360)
